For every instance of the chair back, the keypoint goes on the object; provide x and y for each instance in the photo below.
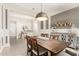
(54, 37)
(44, 35)
(28, 38)
(35, 45)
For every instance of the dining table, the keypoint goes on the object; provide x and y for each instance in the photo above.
(52, 45)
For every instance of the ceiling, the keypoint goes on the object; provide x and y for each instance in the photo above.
(50, 8)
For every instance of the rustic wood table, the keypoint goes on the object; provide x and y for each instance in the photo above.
(52, 45)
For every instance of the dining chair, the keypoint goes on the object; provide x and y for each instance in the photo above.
(72, 40)
(38, 50)
(63, 37)
(54, 37)
(28, 38)
(44, 35)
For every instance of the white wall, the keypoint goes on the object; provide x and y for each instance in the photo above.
(35, 27)
(13, 15)
(20, 21)
(4, 37)
(0, 29)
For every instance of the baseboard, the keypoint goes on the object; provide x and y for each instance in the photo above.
(2, 47)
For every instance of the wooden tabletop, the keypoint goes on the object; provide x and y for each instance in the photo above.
(54, 46)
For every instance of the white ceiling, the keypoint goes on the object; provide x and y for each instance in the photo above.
(50, 8)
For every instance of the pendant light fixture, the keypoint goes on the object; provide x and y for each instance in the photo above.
(41, 16)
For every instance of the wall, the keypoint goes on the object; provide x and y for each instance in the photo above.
(4, 37)
(71, 15)
(20, 21)
(13, 14)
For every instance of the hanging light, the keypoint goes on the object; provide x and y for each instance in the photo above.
(41, 16)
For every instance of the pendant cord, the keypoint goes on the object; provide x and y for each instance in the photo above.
(41, 7)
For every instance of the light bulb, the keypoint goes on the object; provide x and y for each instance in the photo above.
(42, 18)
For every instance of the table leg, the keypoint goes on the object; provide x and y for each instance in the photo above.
(49, 53)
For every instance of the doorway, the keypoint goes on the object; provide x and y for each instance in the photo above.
(13, 32)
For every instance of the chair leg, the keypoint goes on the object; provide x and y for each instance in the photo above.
(27, 52)
(31, 53)
(46, 54)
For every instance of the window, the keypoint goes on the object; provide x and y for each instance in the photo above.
(46, 24)
(41, 25)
